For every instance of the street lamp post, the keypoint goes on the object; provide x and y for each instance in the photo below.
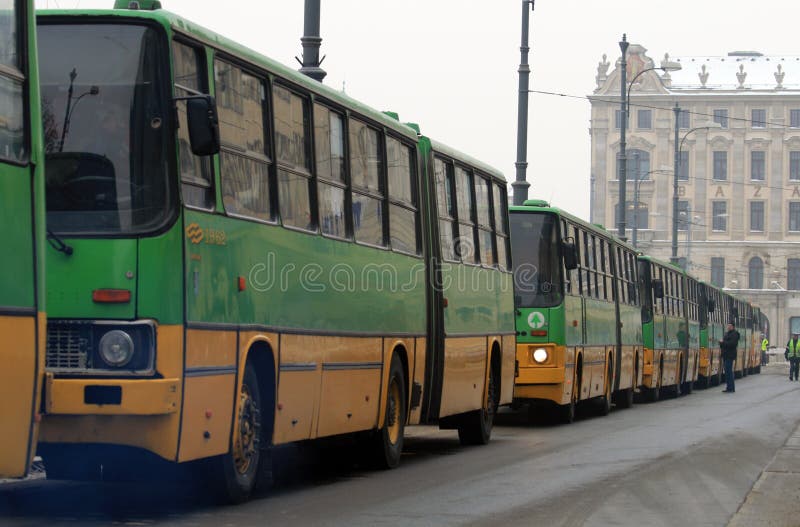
(678, 149)
(625, 96)
(623, 160)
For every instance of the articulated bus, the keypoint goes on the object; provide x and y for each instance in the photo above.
(671, 328)
(22, 228)
(578, 312)
(315, 269)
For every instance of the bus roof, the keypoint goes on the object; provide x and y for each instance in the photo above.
(466, 158)
(534, 205)
(183, 26)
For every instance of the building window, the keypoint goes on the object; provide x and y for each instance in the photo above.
(644, 119)
(683, 166)
(634, 216)
(683, 215)
(719, 216)
(757, 216)
(794, 216)
(618, 119)
(755, 271)
(794, 118)
(721, 117)
(718, 271)
(794, 166)
(638, 164)
(757, 165)
(720, 165)
(793, 273)
(683, 119)
(759, 118)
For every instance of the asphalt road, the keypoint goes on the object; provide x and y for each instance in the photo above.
(686, 461)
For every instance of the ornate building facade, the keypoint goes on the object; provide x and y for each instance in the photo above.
(738, 157)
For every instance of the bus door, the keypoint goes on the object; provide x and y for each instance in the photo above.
(21, 226)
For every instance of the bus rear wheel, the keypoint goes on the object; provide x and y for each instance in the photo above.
(476, 426)
(241, 468)
(387, 443)
(604, 401)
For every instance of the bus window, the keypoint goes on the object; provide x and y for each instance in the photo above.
(366, 165)
(443, 173)
(106, 155)
(196, 179)
(485, 236)
(244, 165)
(402, 210)
(465, 205)
(537, 280)
(499, 199)
(291, 145)
(330, 164)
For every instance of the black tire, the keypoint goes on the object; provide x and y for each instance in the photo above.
(239, 470)
(565, 413)
(624, 398)
(675, 390)
(654, 394)
(604, 401)
(476, 427)
(688, 386)
(67, 464)
(387, 443)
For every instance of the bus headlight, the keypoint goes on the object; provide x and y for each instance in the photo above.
(116, 348)
(540, 355)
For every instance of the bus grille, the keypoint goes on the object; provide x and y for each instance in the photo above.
(67, 348)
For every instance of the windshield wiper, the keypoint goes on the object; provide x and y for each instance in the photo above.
(58, 244)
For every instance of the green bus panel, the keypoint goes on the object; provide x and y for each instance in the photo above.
(479, 300)
(161, 277)
(551, 319)
(16, 230)
(298, 280)
(94, 264)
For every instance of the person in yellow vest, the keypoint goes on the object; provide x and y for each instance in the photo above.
(764, 347)
(793, 354)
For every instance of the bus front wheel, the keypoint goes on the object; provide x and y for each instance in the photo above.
(240, 467)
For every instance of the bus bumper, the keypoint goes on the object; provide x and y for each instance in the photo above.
(111, 396)
(549, 381)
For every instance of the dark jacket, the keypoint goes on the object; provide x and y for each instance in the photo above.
(729, 343)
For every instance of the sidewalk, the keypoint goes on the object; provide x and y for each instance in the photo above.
(774, 500)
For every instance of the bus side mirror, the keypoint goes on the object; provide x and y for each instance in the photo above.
(658, 288)
(203, 125)
(711, 305)
(570, 255)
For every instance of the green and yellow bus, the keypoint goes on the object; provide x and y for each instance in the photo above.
(671, 328)
(578, 314)
(256, 259)
(22, 228)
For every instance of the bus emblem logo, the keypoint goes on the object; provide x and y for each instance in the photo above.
(195, 233)
(536, 320)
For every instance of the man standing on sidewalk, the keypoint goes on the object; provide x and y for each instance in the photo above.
(764, 347)
(728, 345)
(793, 354)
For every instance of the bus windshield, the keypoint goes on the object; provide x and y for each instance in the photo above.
(104, 118)
(534, 251)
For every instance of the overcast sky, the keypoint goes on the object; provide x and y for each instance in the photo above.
(451, 65)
